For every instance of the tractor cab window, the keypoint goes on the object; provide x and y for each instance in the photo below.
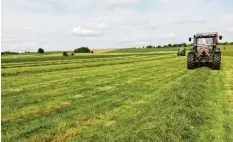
(205, 41)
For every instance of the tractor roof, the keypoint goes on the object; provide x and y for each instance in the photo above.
(210, 34)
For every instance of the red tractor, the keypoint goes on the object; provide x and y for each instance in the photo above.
(205, 51)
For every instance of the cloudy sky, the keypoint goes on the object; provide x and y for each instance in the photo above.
(68, 24)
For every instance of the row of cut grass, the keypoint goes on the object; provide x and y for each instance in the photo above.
(33, 58)
(60, 62)
(52, 68)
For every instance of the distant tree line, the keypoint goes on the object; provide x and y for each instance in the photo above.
(165, 46)
(179, 45)
(8, 52)
(225, 43)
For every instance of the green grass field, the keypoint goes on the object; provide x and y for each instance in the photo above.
(123, 95)
(141, 50)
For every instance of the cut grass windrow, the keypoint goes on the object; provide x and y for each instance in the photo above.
(52, 68)
(60, 62)
(34, 58)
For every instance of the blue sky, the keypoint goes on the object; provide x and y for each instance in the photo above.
(68, 24)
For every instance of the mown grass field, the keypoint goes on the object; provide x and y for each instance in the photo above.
(123, 95)
(136, 50)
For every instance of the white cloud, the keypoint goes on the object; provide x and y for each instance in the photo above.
(79, 31)
(122, 1)
(230, 29)
(103, 26)
(169, 35)
(163, 1)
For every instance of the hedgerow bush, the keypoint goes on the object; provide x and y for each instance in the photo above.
(82, 50)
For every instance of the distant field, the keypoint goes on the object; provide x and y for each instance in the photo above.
(123, 95)
(229, 49)
(99, 51)
(140, 50)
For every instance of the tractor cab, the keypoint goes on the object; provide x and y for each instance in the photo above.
(181, 52)
(205, 43)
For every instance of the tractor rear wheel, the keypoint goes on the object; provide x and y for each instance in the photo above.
(191, 60)
(216, 61)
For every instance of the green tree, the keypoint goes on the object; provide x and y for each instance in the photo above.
(65, 54)
(40, 50)
(82, 50)
(149, 46)
(174, 45)
(225, 43)
(184, 44)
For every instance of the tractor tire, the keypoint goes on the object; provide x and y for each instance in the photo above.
(191, 61)
(216, 61)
